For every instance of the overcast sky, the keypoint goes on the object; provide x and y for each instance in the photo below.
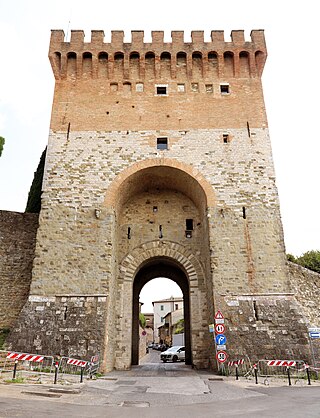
(290, 80)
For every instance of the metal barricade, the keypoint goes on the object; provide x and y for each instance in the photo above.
(25, 363)
(279, 368)
(239, 367)
(93, 366)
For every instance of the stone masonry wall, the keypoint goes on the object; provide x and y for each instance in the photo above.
(17, 245)
(306, 286)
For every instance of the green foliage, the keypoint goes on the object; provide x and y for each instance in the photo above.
(142, 320)
(179, 327)
(2, 141)
(310, 260)
(17, 380)
(291, 258)
(34, 197)
(3, 335)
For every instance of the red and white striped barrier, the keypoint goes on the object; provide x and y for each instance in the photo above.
(25, 356)
(76, 362)
(283, 363)
(235, 362)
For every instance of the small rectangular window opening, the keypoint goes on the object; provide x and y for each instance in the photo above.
(195, 87)
(176, 306)
(189, 224)
(225, 138)
(181, 88)
(155, 208)
(161, 307)
(162, 143)
(139, 87)
(129, 233)
(209, 88)
(162, 90)
(189, 228)
(160, 231)
(244, 215)
(224, 88)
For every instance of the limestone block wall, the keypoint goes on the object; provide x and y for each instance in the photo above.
(306, 286)
(80, 170)
(17, 245)
(70, 326)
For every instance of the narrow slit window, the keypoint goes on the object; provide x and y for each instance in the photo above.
(225, 138)
(162, 143)
(189, 228)
(129, 233)
(244, 215)
(255, 310)
(160, 231)
(248, 129)
(189, 224)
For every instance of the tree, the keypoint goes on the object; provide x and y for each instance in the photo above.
(310, 260)
(34, 196)
(142, 320)
(2, 141)
(179, 327)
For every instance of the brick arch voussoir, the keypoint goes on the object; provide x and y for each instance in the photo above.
(110, 197)
(131, 263)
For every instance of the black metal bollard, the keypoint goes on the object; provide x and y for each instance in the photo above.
(255, 373)
(15, 369)
(56, 373)
(81, 374)
(289, 378)
(308, 373)
(237, 373)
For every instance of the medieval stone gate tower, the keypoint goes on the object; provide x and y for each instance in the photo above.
(159, 165)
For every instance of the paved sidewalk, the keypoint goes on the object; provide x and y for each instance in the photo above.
(155, 389)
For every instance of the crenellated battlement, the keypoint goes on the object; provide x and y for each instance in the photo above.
(98, 58)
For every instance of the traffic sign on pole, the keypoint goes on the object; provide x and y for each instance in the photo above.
(219, 328)
(221, 356)
(218, 315)
(221, 339)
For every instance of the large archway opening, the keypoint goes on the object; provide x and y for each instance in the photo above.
(153, 268)
(162, 230)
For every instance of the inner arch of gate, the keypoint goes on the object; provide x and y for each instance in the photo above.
(173, 261)
(160, 267)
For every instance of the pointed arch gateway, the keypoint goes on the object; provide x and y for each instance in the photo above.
(153, 201)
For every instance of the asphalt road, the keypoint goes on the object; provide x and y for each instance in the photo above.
(155, 389)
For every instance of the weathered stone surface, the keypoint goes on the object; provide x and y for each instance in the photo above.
(17, 245)
(117, 210)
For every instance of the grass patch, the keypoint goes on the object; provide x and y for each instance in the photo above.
(16, 380)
